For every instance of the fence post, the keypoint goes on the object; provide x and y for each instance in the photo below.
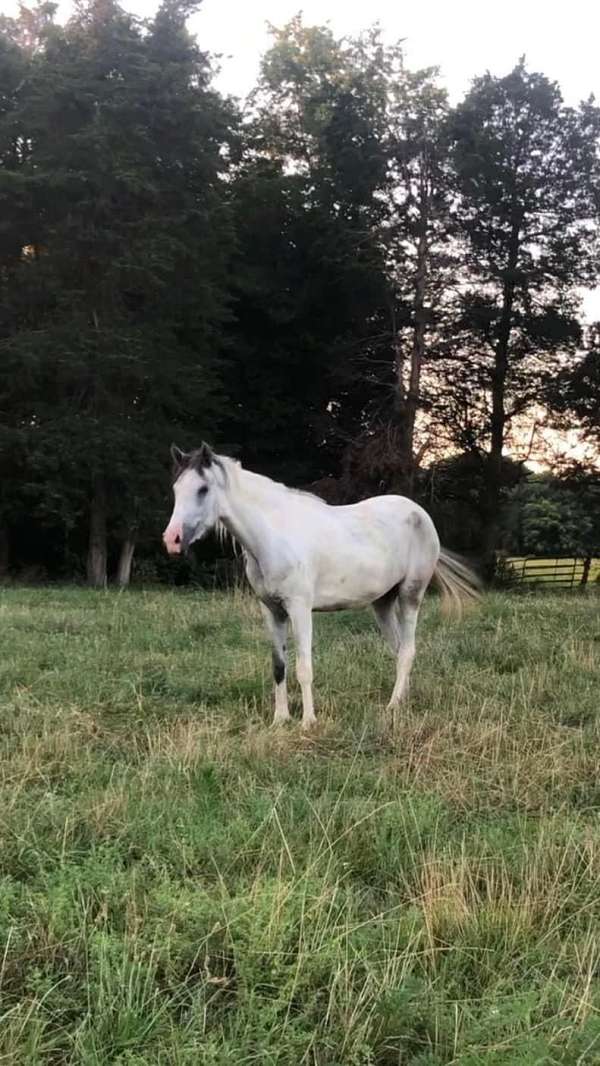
(587, 562)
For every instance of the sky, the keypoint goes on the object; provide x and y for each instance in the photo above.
(462, 37)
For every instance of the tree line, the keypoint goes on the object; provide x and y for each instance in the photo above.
(347, 282)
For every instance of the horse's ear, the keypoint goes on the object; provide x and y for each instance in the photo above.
(205, 455)
(177, 455)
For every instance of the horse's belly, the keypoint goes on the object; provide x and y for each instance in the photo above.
(353, 590)
(343, 605)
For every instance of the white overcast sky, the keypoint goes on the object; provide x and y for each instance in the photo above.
(463, 37)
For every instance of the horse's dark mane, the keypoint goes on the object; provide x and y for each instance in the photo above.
(196, 460)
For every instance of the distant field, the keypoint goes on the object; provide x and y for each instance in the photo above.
(182, 884)
(551, 570)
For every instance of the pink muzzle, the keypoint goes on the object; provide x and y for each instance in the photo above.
(173, 538)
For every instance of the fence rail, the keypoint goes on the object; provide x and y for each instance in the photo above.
(563, 572)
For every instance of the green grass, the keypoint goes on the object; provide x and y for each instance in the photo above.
(180, 883)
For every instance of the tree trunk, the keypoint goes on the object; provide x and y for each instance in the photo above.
(498, 418)
(96, 560)
(125, 560)
(418, 347)
(408, 392)
(494, 463)
(4, 550)
(399, 360)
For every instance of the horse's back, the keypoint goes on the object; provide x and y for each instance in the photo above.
(398, 510)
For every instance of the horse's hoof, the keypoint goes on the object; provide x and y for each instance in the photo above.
(308, 723)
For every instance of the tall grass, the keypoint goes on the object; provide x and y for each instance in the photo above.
(180, 883)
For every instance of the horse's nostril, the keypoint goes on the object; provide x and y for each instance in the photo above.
(178, 539)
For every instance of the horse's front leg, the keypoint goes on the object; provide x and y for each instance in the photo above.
(276, 622)
(301, 619)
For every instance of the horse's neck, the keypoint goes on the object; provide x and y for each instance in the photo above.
(247, 503)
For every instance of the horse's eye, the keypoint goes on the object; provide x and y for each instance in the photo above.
(203, 490)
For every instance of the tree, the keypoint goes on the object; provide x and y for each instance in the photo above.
(453, 490)
(309, 279)
(119, 308)
(549, 516)
(418, 236)
(32, 26)
(575, 393)
(526, 170)
(14, 68)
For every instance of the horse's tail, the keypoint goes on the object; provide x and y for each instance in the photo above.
(459, 585)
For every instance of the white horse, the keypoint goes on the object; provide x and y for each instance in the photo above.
(303, 555)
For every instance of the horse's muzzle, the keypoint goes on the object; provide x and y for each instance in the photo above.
(177, 539)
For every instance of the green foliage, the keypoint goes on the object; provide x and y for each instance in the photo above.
(575, 391)
(454, 492)
(310, 280)
(546, 516)
(115, 312)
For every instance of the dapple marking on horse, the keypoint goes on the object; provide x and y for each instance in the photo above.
(303, 555)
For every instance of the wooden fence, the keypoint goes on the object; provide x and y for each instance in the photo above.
(561, 572)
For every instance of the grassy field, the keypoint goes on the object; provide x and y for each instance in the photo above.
(181, 884)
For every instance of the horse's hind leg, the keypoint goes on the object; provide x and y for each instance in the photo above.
(386, 616)
(408, 604)
(276, 622)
